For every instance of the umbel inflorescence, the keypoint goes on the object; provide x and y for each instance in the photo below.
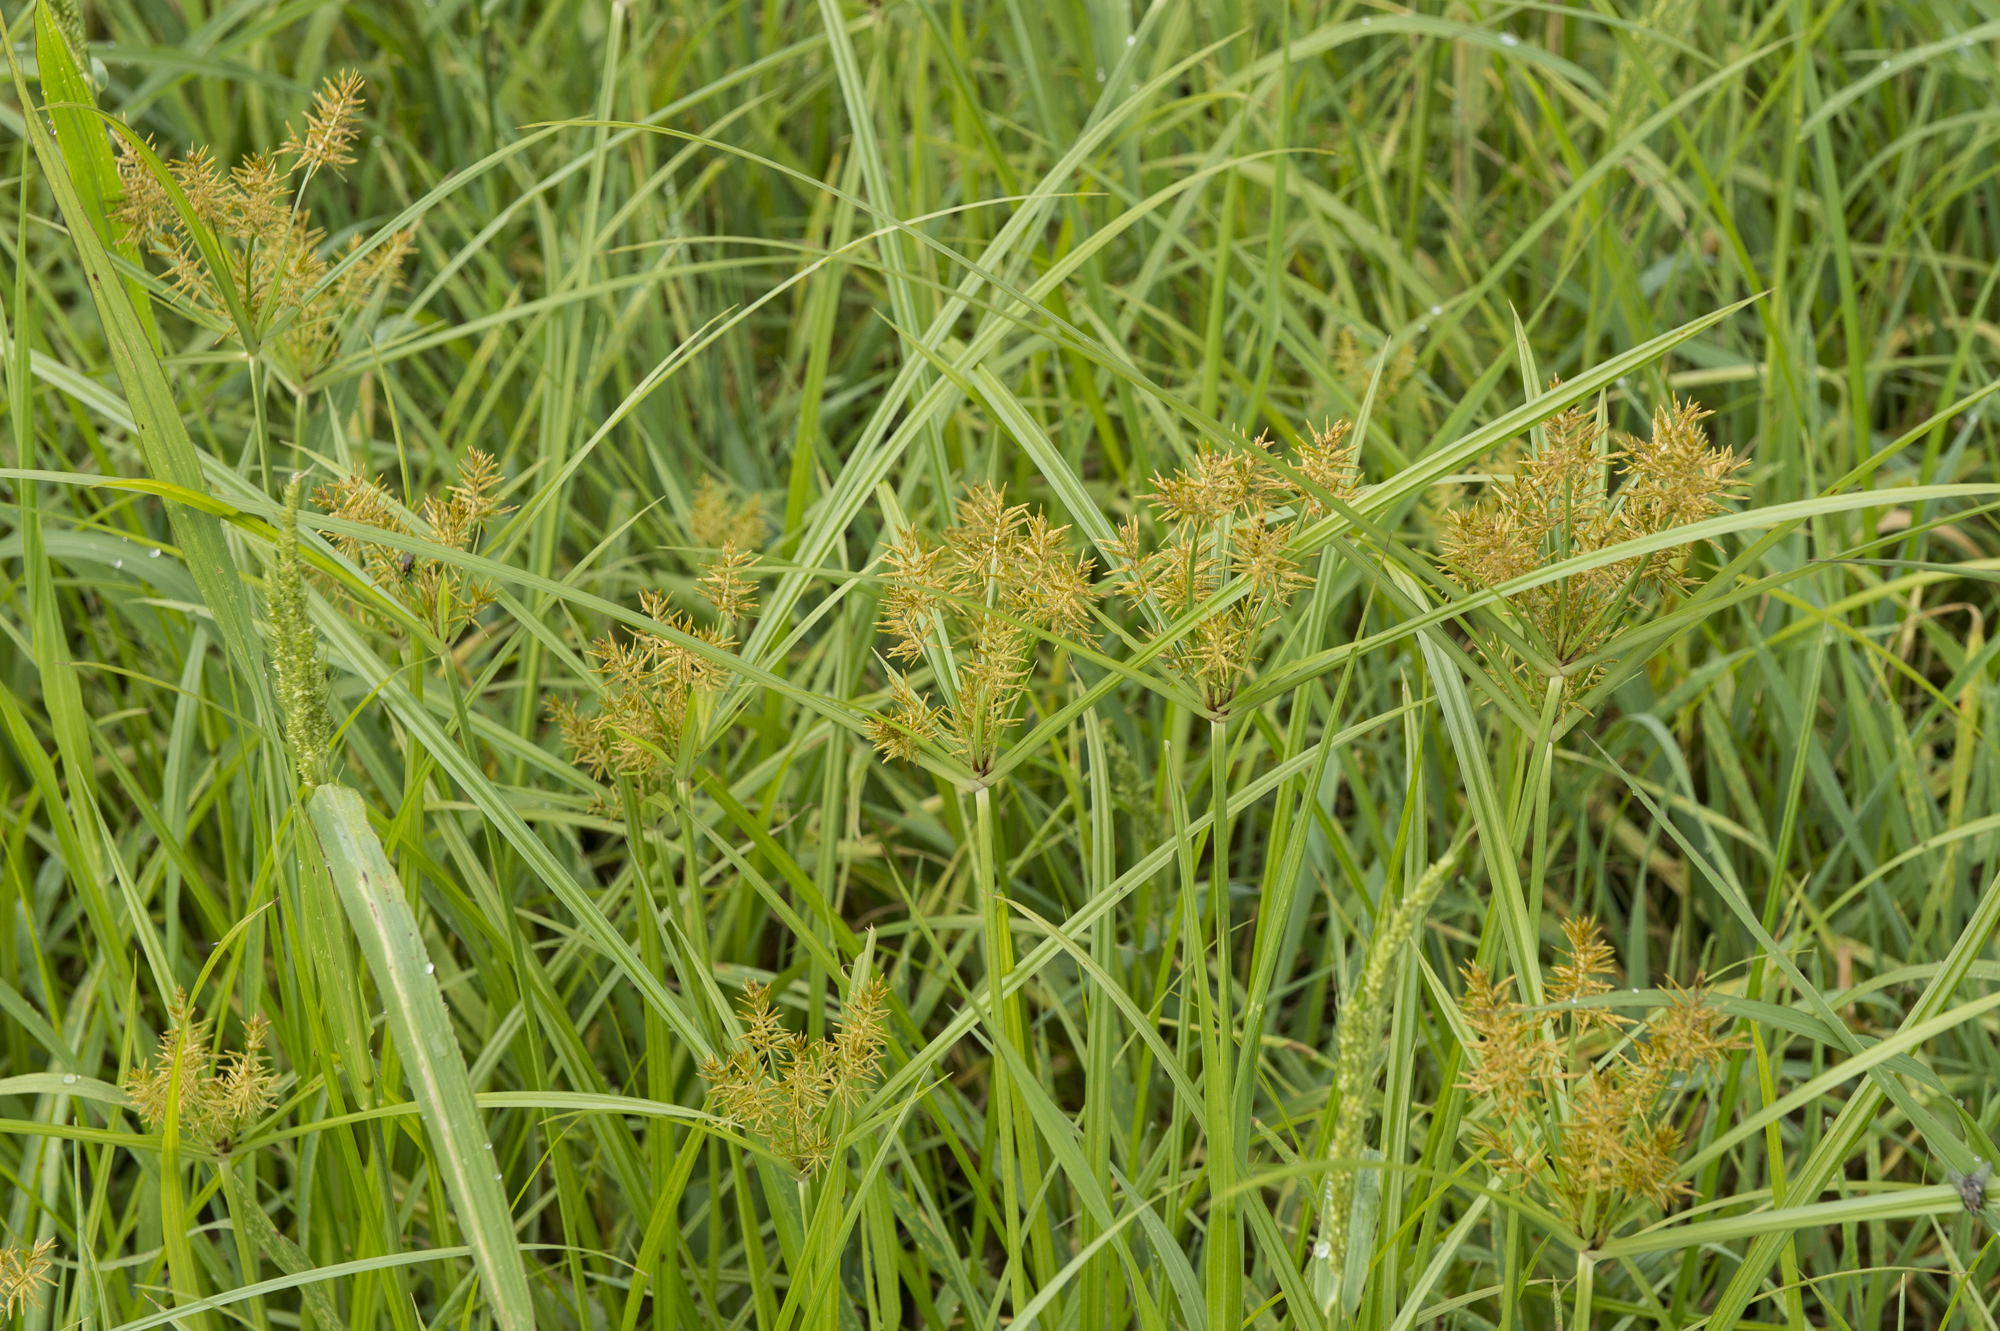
(272, 264)
(440, 592)
(971, 606)
(24, 1274)
(1556, 504)
(655, 688)
(1590, 1128)
(221, 1093)
(1229, 518)
(791, 1089)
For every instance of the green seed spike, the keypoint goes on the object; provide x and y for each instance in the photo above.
(295, 652)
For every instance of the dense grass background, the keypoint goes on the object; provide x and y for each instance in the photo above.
(850, 259)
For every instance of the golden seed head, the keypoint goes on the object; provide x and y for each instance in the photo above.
(1616, 1146)
(1556, 504)
(440, 592)
(332, 125)
(1356, 368)
(724, 586)
(911, 720)
(716, 521)
(218, 1094)
(1577, 977)
(24, 1274)
(977, 596)
(794, 1091)
(650, 681)
(1230, 518)
(271, 267)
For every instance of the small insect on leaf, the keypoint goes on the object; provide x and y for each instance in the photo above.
(406, 563)
(1972, 1187)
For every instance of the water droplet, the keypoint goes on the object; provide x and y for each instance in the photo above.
(496, 1178)
(1100, 73)
(1437, 309)
(1365, 22)
(118, 563)
(154, 553)
(1885, 64)
(69, 1079)
(430, 968)
(1509, 39)
(489, 1146)
(1132, 41)
(1323, 1250)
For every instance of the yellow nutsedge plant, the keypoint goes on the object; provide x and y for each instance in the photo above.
(437, 591)
(970, 606)
(24, 1274)
(220, 1093)
(1556, 505)
(255, 212)
(657, 694)
(1230, 517)
(1579, 1108)
(794, 1091)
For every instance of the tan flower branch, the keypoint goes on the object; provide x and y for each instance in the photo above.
(1230, 517)
(272, 253)
(1614, 1146)
(220, 1093)
(790, 1089)
(438, 591)
(966, 606)
(1556, 504)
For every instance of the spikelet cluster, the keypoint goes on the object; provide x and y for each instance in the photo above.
(1556, 505)
(653, 686)
(1229, 519)
(220, 1094)
(438, 591)
(301, 675)
(734, 532)
(650, 685)
(273, 258)
(790, 1089)
(24, 1274)
(1614, 1149)
(967, 606)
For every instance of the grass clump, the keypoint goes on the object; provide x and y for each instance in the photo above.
(940, 554)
